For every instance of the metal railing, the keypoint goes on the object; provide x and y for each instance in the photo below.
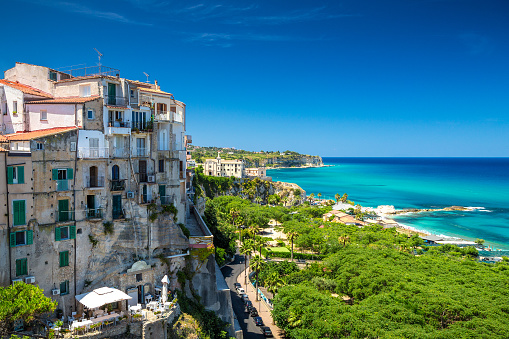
(119, 152)
(92, 70)
(93, 153)
(142, 126)
(94, 213)
(140, 152)
(64, 216)
(116, 123)
(62, 185)
(92, 182)
(167, 199)
(117, 185)
(111, 100)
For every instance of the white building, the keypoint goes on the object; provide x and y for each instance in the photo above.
(224, 168)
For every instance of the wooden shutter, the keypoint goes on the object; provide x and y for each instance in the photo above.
(12, 239)
(64, 258)
(54, 174)
(21, 174)
(72, 231)
(10, 174)
(69, 174)
(19, 212)
(57, 233)
(30, 237)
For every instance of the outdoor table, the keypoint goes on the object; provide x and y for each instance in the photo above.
(152, 305)
(148, 298)
(135, 308)
(84, 323)
(105, 317)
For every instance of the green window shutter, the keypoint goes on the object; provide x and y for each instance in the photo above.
(21, 174)
(57, 233)
(30, 237)
(69, 174)
(54, 174)
(19, 212)
(10, 174)
(72, 231)
(12, 239)
(64, 258)
(21, 267)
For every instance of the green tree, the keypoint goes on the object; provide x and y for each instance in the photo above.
(22, 302)
(256, 265)
(344, 198)
(292, 235)
(246, 248)
(337, 196)
(311, 196)
(479, 242)
(319, 196)
(274, 281)
(258, 200)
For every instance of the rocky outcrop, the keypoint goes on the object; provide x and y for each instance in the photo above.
(286, 161)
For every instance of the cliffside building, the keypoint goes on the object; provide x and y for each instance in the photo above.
(224, 168)
(94, 163)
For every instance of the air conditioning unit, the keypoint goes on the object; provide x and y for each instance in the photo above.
(151, 178)
(55, 291)
(29, 280)
(16, 281)
(130, 195)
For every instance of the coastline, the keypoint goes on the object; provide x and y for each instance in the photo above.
(300, 167)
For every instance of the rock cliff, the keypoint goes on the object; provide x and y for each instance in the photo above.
(285, 161)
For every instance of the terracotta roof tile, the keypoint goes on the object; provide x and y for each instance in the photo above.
(3, 138)
(117, 107)
(25, 136)
(67, 100)
(156, 91)
(3, 149)
(25, 88)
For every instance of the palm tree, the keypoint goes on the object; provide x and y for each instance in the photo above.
(256, 265)
(344, 198)
(291, 236)
(246, 248)
(319, 195)
(344, 239)
(253, 230)
(284, 200)
(234, 212)
(311, 196)
(274, 281)
(337, 196)
(259, 242)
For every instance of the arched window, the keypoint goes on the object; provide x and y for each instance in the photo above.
(115, 173)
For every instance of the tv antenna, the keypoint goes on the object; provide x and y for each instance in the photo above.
(99, 54)
(146, 76)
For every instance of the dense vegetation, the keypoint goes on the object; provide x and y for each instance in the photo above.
(372, 282)
(252, 158)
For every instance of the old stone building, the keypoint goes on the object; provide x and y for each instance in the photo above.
(95, 182)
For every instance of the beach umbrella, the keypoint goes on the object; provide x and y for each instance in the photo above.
(101, 296)
(165, 282)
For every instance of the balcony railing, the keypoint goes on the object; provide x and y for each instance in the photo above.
(169, 116)
(117, 123)
(62, 185)
(119, 152)
(95, 213)
(92, 70)
(167, 199)
(93, 153)
(93, 182)
(117, 185)
(110, 100)
(143, 177)
(64, 216)
(142, 126)
(140, 152)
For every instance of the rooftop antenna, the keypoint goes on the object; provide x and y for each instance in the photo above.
(99, 54)
(146, 76)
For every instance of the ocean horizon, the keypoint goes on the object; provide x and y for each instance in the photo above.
(420, 182)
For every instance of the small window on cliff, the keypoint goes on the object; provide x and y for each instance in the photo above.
(139, 277)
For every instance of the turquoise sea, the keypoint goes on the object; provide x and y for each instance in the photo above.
(420, 183)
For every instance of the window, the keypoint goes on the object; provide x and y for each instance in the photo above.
(139, 277)
(16, 175)
(84, 90)
(64, 258)
(161, 165)
(65, 232)
(39, 145)
(21, 267)
(64, 287)
(73, 146)
(44, 114)
(53, 76)
(61, 176)
(90, 114)
(21, 238)
(4, 108)
(18, 210)
(14, 107)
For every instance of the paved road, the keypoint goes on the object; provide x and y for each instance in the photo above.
(230, 273)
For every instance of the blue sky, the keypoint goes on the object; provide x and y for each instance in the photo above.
(333, 78)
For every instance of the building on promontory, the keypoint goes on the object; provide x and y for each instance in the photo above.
(224, 168)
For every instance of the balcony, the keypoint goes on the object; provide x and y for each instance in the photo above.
(118, 127)
(110, 100)
(94, 182)
(92, 70)
(142, 126)
(167, 116)
(95, 213)
(167, 199)
(117, 185)
(62, 185)
(140, 152)
(147, 177)
(93, 153)
(177, 117)
(65, 216)
(119, 152)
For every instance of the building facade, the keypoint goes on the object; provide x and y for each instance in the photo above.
(95, 181)
(224, 168)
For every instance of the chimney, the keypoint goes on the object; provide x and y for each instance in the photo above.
(157, 86)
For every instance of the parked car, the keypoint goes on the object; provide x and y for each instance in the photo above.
(244, 298)
(237, 285)
(253, 312)
(258, 321)
(266, 331)
(249, 306)
(240, 291)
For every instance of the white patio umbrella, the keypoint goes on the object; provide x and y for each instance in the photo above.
(101, 296)
(164, 293)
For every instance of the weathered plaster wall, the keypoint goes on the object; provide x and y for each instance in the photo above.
(58, 115)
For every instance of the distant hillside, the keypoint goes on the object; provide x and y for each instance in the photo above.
(256, 159)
